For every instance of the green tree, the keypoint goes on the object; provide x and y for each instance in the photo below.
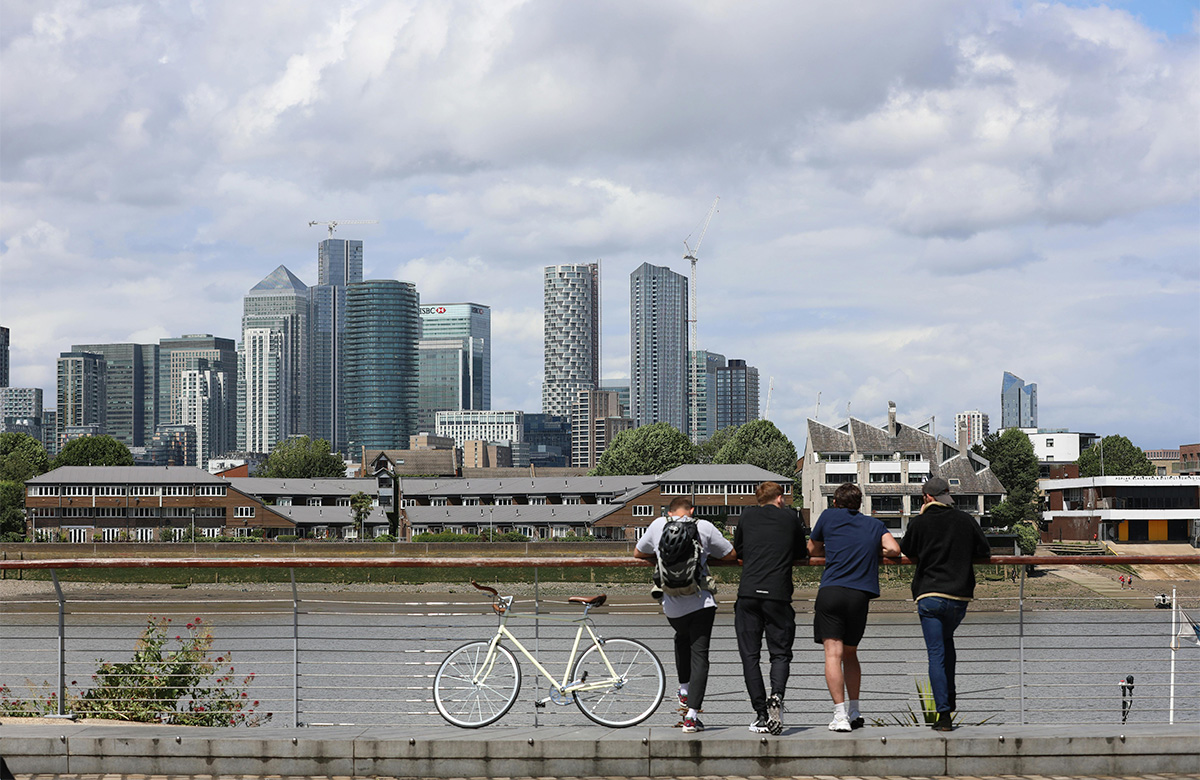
(1016, 466)
(12, 512)
(22, 457)
(707, 451)
(1114, 456)
(761, 444)
(651, 449)
(302, 458)
(360, 505)
(94, 451)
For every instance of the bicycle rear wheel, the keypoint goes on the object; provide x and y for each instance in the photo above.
(470, 703)
(633, 695)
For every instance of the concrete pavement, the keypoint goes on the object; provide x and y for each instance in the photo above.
(446, 752)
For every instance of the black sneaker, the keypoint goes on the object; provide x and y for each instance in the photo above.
(760, 726)
(692, 725)
(945, 722)
(857, 723)
(775, 713)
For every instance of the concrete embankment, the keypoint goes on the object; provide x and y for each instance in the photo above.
(441, 752)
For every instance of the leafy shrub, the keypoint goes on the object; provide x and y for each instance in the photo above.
(445, 536)
(574, 537)
(384, 538)
(172, 687)
(286, 538)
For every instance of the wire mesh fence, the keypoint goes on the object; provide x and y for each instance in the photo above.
(368, 658)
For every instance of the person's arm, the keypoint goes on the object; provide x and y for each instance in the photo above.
(983, 549)
(798, 541)
(891, 548)
(643, 555)
(730, 556)
(737, 539)
(816, 549)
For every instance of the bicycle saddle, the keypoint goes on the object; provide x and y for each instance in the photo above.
(591, 601)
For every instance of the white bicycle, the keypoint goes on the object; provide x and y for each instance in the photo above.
(614, 682)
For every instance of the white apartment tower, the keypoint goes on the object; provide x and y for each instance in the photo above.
(658, 346)
(273, 362)
(970, 428)
(572, 335)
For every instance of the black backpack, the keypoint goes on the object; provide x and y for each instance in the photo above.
(677, 568)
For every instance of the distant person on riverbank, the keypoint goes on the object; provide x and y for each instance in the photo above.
(768, 539)
(851, 544)
(691, 615)
(943, 541)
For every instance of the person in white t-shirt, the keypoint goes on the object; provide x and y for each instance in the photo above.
(691, 616)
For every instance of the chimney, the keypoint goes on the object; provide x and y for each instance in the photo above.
(891, 418)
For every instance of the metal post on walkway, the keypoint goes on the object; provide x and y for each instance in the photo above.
(62, 650)
(1021, 638)
(295, 652)
(1174, 637)
(537, 680)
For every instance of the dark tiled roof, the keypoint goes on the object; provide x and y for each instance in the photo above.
(574, 514)
(127, 475)
(719, 472)
(822, 438)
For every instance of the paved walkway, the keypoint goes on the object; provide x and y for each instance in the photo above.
(1105, 585)
(640, 777)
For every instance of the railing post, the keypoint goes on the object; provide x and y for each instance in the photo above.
(62, 649)
(1021, 639)
(1174, 637)
(537, 680)
(295, 652)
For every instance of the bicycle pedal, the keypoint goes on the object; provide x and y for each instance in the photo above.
(541, 705)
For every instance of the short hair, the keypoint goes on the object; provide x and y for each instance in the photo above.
(848, 496)
(683, 502)
(767, 492)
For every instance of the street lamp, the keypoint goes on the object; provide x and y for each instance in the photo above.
(193, 526)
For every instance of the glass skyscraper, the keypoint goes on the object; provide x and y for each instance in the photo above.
(383, 325)
(737, 394)
(339, 263)
(571, 335)
(702, 368)
(658, 346)
(456, 360)
(131, 390)
(81, 391)
(1018, 403)
(178, 398)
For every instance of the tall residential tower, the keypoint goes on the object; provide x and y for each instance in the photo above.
(1018, 403)
(658, 346)
(571, 335)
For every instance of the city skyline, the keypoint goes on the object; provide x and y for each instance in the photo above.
(998, 187)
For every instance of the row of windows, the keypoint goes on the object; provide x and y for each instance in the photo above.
(133, 490)
(914, 478)
(709, 488)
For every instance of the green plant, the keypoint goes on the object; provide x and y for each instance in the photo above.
(445, 536)
(384, 538)
(286, 538)
(171, 686)
(44, 703)
(928, 715)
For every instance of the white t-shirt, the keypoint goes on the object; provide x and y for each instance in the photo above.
(712, 545)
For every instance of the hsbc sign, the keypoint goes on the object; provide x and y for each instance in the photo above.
(453, 310)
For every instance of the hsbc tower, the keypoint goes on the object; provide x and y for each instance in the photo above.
(466, 330)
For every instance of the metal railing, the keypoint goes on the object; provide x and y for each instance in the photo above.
(367, 656)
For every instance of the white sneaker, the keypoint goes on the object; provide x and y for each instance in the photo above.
(839, 724)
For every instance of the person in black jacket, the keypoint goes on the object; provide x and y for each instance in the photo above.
(768, 539)
(942, 541)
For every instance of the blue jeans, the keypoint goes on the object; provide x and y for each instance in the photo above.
(939, 617)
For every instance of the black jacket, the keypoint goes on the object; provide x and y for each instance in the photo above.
(768, 539)
(942, 541)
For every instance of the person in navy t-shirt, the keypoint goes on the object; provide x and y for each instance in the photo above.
(851, 544)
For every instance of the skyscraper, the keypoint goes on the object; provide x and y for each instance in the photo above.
(3, 356)
(81, 391)
(970, 428)
(383, 325)
(465, 321)
(702, 369)
(21, 410)
(596, 419)
(1018, 403)
(204, 395)
(273, 361)
(737, 394)
(571, 335)
(456, 360)
(658, 346)
(339, 263)
(131, 390)
(205, 353)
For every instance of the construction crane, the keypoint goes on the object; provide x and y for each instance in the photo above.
(770, 389)
(691, 256)
(334, 223)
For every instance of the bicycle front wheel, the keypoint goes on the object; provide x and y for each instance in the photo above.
(630, 697)
(470, 696)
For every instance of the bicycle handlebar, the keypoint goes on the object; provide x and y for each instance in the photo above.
(486, 589)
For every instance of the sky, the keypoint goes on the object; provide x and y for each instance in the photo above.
(914, 197)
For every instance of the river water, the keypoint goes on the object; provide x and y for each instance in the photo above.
(368, 659)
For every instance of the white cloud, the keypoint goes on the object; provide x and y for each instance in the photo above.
(913, 198)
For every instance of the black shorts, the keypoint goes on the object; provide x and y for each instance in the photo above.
(840, 613)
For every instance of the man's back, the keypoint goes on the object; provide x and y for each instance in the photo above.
(852, 547)
(943, 541)
(768, 539)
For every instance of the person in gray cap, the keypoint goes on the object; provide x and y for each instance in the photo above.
(942, 541)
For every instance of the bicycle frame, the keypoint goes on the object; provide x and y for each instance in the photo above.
(564, 688)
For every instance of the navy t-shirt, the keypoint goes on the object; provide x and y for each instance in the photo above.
(853, 544)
